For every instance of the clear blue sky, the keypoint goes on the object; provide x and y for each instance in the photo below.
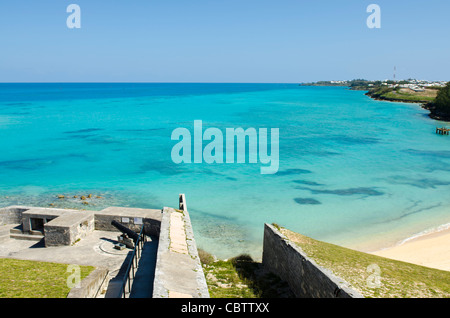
(222, 41)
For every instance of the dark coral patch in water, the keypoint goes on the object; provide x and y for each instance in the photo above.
(346, 192)
(162, 167)
(429, 153)
(304, 201)
(82, 131)
(311, 183)
(289, 172)
(424, 183)
(355, 140)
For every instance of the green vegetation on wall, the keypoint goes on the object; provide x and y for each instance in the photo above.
(396, 279)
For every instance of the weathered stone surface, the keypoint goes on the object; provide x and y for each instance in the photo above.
(178, 269)
(64, 226)
(68, 228)
(12, 214)
(151, 218)
(305, 278)
(45, 214)
(91, 285)
(177, 233)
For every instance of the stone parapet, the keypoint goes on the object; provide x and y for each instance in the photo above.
(305, 278)
(178, 273)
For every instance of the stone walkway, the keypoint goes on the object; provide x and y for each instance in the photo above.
(179, 273)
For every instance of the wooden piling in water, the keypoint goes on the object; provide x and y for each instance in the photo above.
(442, 131)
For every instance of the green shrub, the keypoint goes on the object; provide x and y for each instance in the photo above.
(442, 101)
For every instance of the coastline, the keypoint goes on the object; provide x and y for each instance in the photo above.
(424, 104)
(430, 249)
(71, 134)
(375, 94)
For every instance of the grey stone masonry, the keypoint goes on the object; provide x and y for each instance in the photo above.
(12, 214)
(68, 228)
(305, 278)
(44, 214)
(91, 285)
(64, 226)
(178, 273)
(132, 218)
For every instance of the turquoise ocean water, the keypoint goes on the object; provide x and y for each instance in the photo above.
(353, 171)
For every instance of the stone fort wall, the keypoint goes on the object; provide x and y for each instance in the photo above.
(305, 278)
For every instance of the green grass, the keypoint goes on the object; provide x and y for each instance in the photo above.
(31, 279)
(224, 281)
(396, 94)
(407, 97)
(240, 277)
(398, 279)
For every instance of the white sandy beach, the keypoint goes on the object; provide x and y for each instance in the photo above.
(430, 250)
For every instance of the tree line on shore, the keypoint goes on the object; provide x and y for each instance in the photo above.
(440, 107)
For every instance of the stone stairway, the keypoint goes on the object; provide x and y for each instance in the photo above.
(17, 233)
